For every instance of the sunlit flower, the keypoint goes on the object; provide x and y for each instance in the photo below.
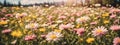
(53, 36)
(99, 31)
(16, 33)
(90, 40)
(6, 31)
(80, 31)
(115, 27)
(116, 41)
(83, 19)
(30, 37)
(32, 26)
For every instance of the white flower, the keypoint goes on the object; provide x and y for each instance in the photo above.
(59, 21)
(53, 36)
(83, 19)
(99, 31)
(32, 26)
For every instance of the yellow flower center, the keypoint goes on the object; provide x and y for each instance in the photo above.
(106, 21)
(42, 29)
(53, 36)
(99, 31)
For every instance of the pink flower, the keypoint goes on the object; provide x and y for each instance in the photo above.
(116, 41)
(99, 31)
(62, 26)
(80, 31)
(30, 37)
(61, 17)
(115, 27)
(112, 16)
(9, 15)
(93, 23)
(6, 31)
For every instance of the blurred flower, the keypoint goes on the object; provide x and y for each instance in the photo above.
(53, 36)
(3, 22)
(93, 23)
(112, 16)
(9, 15)
(42, 29)
(6, 31)
(90, 40)
(16, 33)
(83, 19)
(106, 21)
(43, 36)
(62, 26)
(18, 15)
(99, 31)
(97, 5)
(32, 26)
(14, 42)
(115, 27)
(116, 41)
(30, 37)
(80, 31)
(57, 30)
(105, 14)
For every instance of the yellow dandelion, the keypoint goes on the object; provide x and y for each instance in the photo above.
(90, 40)
(16, 33)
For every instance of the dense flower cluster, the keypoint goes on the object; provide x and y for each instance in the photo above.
(59, 26)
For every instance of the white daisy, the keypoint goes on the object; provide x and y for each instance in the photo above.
(83, 19)
(53, 36)
(32, 26)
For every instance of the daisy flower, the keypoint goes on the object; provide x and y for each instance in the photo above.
(115, 27)
(99, 31)
(83, 19)
(53, 36)
(32, 26)
(116, 41)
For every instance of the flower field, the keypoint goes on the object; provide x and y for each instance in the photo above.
(59, 26)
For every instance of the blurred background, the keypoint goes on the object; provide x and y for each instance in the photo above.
(57, 2)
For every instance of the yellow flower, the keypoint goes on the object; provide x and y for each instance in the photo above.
(16, 33)
(78, 25)
(90, 40)
(3, 22)
(106, 21)
(105, 15)
(42, 29)
(56, 30)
